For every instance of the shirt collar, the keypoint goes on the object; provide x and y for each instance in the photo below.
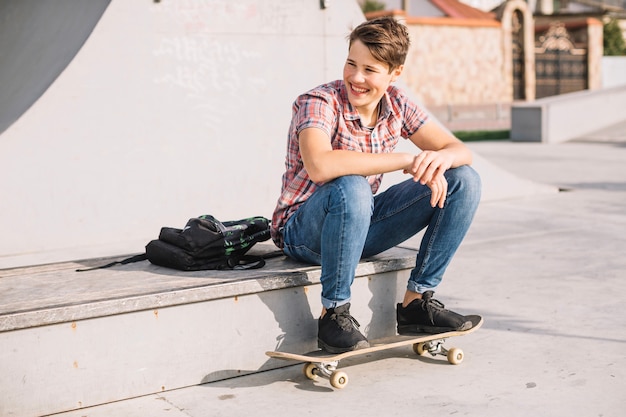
(350, 113)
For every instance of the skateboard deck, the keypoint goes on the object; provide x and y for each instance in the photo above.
(322, 363)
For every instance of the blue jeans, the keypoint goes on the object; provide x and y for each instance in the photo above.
(343, 222)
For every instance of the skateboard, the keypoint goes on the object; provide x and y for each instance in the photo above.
(322, 363)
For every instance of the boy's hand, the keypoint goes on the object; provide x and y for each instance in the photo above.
(428, 168)
(439, 188)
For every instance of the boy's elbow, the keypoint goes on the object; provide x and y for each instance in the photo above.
(320, 173)
(323, 168)
(318, 176)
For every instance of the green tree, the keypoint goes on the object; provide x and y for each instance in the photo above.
(613, 39)
(372, 6)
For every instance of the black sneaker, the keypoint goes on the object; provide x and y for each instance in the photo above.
(338, 331)
(429, 316)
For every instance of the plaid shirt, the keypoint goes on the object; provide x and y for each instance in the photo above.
(327, 108)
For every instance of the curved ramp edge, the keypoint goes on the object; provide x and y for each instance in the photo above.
(38, 40)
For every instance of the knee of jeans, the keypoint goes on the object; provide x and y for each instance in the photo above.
(357, 193)
(464, 179)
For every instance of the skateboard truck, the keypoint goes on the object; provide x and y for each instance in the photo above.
(435, 348)
(338, 379)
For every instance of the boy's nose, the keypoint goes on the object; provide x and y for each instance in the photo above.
(358, 77)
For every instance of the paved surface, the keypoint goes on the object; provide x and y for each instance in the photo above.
(547, 273)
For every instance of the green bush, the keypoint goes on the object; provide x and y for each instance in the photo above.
(613, 39)
(372, 6)
(479, 135)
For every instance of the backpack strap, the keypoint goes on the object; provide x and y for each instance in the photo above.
(252, 261)
(132, 259)
(245, 262)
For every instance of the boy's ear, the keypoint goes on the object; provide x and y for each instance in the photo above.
(396, 73)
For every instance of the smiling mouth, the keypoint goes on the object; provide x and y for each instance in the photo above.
(358, 90)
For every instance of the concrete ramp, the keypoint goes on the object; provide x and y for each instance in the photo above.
(38, 39)
(169, 110)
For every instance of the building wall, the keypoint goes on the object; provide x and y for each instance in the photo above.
(613, 71)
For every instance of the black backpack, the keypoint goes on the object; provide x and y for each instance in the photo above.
(206, 243)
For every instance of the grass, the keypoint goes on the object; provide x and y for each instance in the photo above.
(476, 135)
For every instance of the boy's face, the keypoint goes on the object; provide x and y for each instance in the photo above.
(366, 78)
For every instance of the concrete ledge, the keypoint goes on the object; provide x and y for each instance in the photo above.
(567, 116)
(70, 340)
(56, 293)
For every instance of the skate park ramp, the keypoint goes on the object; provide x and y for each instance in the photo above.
(38, 39)
(160, 112)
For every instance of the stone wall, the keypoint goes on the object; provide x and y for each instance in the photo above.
(456, 61)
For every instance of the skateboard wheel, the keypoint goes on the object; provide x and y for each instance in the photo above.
(455, 356)
(420, 348)
(309, 371)
(339, 379)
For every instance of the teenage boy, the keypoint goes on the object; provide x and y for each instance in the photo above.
(341, 139)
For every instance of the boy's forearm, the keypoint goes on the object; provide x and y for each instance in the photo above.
(337, 163)
(461, 154)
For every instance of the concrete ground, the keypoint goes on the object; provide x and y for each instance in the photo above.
(548, 274)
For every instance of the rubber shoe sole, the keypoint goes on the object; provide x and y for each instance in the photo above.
(362, 344)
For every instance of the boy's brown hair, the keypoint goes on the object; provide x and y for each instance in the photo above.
(387, 40)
